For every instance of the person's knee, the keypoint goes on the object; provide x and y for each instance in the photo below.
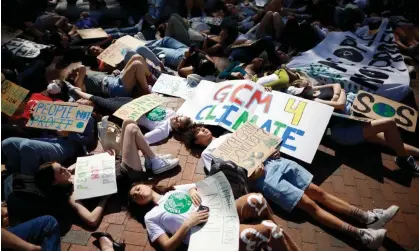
(317, 193)
(308, 205)
(10, 142)
(269, 14)
(27, 146)
(132, 128)
(276, 15)
(49, 222)
(137, 57)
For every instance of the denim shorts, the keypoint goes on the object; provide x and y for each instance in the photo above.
(347, 135)
(284, 182)
(114, 87)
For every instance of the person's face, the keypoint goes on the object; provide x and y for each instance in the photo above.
(61, 174)
(95, 50)
(203, 136)
(257, 63)
(141, 194)
(179, 121)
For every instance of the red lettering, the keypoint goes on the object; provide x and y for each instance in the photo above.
(218, 96)
(233, 95)
(258, 97)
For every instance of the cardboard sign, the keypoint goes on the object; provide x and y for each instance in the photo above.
(12, 96)
(95, 176)
(62, 116)
(139, 106)
(114, 54)
(92, 33)
(248, 147)
(8, 33)
(370, 62)
(221, 231)
(376, 107)
(173, 86)
(24, 48)
(300, 123)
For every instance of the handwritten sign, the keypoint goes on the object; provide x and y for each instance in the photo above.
(95, 176)
(221, 232)
(24, 48)
(62, 116)
(92, 33)
(114, 54)
(12, 96)
(139, 106)
(248, 147)
(173, 86)
(376, 107)
(230, 104)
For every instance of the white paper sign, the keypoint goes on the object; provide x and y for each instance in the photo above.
(371, 62)
(221, 232)
(24, 48)
(95, 176)
(173, 86)
(299, 122)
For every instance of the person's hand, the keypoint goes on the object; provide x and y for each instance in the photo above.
(116, 72)
(258, 172)
(267, 88)
(276, 154)
(197, 218)
(238, 75)
(33, 248)
(196, 199)
(72, 168)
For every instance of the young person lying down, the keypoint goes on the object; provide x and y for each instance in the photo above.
(290, 186)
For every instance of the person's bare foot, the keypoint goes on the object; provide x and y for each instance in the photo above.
(105, 244)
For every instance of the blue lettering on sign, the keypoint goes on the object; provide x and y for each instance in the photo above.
(82, 115)
(287, 136)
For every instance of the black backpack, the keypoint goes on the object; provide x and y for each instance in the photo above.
(236, 176)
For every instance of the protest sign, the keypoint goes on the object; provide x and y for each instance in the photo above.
(221, 231)
(24, 48)
(300, 123)
(8, 33)
(61, 116)
(173, 86)
(139, 106)
(95, 176)
(248, 147)
(376, 107)
(12, 96)
(92, 33)
(371, 62)
(114, 54)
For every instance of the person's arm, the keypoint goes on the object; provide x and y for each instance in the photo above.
(91, 218)
(338, 105)
(13, 242)
(336, 90)
(227, 72)
(81, 74)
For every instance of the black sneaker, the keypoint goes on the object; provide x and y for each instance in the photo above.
(408, 163)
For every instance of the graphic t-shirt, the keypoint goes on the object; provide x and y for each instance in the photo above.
(170, 213)
(207, 153)
(157, 121)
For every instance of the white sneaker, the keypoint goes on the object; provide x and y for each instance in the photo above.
(372, 238)
(147, 160)
(160, 165)
(382, 217)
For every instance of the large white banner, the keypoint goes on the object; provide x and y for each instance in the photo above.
(95, 176)
(221, 231)
(173, 86)
(299, 122)
(371, 62)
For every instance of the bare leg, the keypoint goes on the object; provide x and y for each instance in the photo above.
(278, 24)
(135, 74)
(132, 141)
(105, 244)
(385, 132)
(137, 57)
(264, 24)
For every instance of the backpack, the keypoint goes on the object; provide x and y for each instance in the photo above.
(236, 176)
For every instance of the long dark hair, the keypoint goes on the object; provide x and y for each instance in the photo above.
(44, 179)
(138, 212)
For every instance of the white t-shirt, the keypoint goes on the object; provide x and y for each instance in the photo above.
(157, 121)
(207, 153)
(170, 213)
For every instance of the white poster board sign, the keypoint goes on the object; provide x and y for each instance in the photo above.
(95, 176)
(221, 232)
(299, 122)
(371, 62)
(24, 48)
(173, 86)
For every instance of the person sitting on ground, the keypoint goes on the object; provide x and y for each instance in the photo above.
(162, 220)
(41, 233)
(289, 185)
(380, 131)
(131, 81)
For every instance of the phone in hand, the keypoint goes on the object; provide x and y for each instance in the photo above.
(203, 208)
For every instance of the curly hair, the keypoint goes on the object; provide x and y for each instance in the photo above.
(189, 138)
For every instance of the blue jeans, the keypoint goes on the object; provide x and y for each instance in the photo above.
(173, 49)
(26, 155)
(145, 53)
(156, 7)
(42, 231)
(116, 33)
